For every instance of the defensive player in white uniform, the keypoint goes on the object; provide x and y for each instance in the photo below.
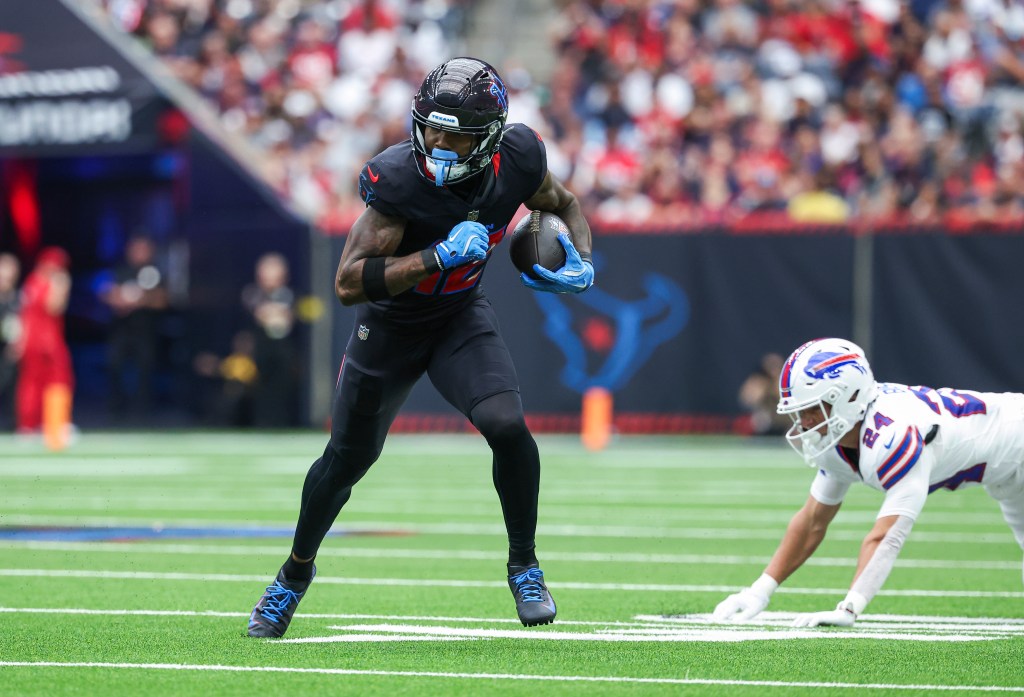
(907, 442)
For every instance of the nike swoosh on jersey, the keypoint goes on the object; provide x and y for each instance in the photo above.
(889, 444)
(373, 177)
(902, 459)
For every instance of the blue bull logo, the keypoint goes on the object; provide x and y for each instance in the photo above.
(640, 327)
(826, 364)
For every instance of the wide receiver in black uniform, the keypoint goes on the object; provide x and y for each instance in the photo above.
(436, 207)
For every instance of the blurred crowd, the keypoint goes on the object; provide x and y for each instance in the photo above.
(317, 86)
(821, 110)
(658, 112)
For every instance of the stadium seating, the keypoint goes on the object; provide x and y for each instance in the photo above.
(717, 112)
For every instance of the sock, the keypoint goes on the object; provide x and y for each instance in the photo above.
(301, 572)
(519, 560)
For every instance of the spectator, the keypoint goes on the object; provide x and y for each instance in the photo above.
(44, 373)
(137, 297)
(270, 303)
(759, 395)
(10, 329)
(235, 377)
(818, 203)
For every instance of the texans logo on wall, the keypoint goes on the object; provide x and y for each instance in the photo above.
(605, 339)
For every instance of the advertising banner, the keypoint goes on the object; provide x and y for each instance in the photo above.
(64, 90)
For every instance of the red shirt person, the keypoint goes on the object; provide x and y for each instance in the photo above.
(45, 358)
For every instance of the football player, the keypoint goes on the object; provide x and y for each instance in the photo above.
(906, 442)
(436, 206)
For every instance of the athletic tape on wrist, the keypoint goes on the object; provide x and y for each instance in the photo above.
(765, 585)
(857, 602)
(431, 260)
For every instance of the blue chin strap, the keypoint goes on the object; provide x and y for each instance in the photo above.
(443, 161)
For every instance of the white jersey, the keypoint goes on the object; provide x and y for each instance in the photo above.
(917, 440)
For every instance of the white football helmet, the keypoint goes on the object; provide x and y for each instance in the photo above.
(825, 371)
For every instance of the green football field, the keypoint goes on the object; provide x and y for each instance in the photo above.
(129, 565)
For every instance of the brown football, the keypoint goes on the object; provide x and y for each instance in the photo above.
(535, 241)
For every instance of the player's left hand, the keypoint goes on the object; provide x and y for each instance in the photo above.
(575, 276)
(842, 616)
(467, 243)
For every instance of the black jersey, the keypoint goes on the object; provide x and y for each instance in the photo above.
(393, 184)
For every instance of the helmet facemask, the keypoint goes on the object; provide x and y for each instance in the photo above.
(810, 443)
(446, 166)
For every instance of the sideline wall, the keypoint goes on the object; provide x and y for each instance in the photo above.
(676, 322)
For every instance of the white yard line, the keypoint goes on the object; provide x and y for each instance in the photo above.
(769, 626)
(768, 618)
(135, 548)
(480, 507)
(368, 633)
(79, 468)
(309, 615)
(665, 633)
(512, 676)
(457, 583)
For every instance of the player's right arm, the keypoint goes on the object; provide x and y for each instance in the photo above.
(368, 271)
(375, 235)
(803, 535)
(805, 532)
(904, 472)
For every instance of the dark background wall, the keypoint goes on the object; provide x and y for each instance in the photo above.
(676, 322)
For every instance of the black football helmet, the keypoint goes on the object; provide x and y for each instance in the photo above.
(462, 95)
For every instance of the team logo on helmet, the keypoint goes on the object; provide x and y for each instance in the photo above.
(826, 364)
(443, 119)
(499, 92)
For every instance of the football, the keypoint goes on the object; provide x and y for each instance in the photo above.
(535, 241)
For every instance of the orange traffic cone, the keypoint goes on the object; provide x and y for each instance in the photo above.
(56, 416)
(596, 422)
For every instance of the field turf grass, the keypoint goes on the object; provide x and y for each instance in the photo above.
(129, 564)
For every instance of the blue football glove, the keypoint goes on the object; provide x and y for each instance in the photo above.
(467, 242)
(575, 276)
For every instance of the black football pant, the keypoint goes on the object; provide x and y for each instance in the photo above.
(468, 363)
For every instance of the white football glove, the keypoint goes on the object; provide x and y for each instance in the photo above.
(748, 603)
(842, 616)
(741, 606)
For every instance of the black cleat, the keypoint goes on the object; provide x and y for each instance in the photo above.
(273, 612)
(533, 602)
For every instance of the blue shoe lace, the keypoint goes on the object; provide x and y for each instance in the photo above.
(278, 600)
(528, 585)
